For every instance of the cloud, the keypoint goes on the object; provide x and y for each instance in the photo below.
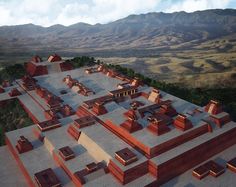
(5, 15)
(194, 5)
(103, 11)
(67, 12)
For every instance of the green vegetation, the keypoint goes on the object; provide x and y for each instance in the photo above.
(198, 96)
(12, 72)
(82, 61)
(12, 117)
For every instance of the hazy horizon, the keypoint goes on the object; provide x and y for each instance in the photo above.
(51, 12)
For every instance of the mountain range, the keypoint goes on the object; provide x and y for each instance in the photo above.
(180, 47)
(146, 31)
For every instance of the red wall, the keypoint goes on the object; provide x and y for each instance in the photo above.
(34, 70)
(129, 175)
(174, 142)
(66, 66)
(193, 157)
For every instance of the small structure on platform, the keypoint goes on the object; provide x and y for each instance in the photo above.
(232, 165)
(158, 127)
(214, 168)
(58, 111)
(14, 92)
(91, 70)
(126, 91)
(29, 83)
(66, 153)
(82, 89)
(111, 73)
(155, 96)
(213, 107)
(74, 132)
(210, 167)
(136, 82)
(132, 114)
(67, 110)
(182, 122)
(53, 101)
(48, 125)
(36, 59)
(136, 104)
(77, 86)
(54, 58)
(68, 80)
(99, 108)
(159, 116)
(126, 156)
(90, 168)
(41, 91)
(47, 178)
(104, 99)
(150, 109)
(23, 145)
(84, 121)
(131, 124)
(101, 68)
(168, 110)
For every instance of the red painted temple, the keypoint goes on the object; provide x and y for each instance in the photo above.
(131, 124)
(29, 83)
(213, 107)
(158, 127)
(182, 122)
(47, 178)
(36, 59)
(99, 109)
(36, 70)
(37, 67)
(23, 145)
(54, 58)
(14, 92)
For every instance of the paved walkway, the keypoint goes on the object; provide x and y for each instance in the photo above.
(9, 168)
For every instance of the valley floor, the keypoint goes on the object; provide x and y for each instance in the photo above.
(189, 69)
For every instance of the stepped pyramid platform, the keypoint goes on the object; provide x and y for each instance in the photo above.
(121, 135)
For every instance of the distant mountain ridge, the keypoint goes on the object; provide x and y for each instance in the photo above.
(145, 31)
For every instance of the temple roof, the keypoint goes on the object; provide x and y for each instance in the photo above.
(54, 58)
(36, 59)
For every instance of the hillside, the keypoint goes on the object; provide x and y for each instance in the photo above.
(150, 30)
(176, 47)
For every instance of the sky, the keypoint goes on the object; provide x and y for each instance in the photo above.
(68, 12)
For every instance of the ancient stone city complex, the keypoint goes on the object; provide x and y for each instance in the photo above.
(96, 127)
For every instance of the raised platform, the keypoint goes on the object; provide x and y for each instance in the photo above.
(131, 138)
(10, 174)
(226, 179)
